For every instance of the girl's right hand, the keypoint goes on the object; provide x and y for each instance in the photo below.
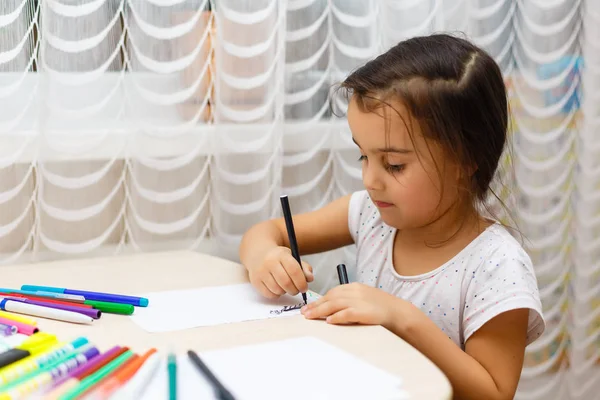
(280, 273)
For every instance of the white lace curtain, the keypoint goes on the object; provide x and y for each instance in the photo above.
(138, 125)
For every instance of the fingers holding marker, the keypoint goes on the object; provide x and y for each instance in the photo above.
(284, 280)
(294, 272)
(271, 284)
(308, 271)
(264, 290)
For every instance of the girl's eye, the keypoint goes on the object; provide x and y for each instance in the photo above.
(362, 158)
(395, 168)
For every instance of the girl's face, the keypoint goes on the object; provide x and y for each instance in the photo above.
(400, 174)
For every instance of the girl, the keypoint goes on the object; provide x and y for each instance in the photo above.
(430, 118)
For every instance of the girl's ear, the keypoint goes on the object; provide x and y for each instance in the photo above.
(472, 169)
(466, 172)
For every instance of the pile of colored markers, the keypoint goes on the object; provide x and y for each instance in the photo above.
(76, 306)
(41, 367)
(34, 363)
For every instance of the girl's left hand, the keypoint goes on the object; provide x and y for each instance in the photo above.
(355, 303)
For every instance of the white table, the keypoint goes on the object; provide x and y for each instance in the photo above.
(183, 270)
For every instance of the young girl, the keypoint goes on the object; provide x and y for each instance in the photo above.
(430, 118)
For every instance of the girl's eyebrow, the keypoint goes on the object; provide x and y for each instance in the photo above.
(394, 150)
(388, 149)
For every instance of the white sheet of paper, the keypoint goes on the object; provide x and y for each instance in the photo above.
(184, 309)
(294, 369)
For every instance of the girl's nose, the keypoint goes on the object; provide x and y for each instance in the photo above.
(372, 178)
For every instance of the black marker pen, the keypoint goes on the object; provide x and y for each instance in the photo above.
(342, 275)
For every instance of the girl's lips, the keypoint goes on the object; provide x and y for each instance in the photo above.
(382, 204)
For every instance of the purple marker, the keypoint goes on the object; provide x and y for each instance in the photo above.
(33, 383)
(7, 330)
(83, 368)
(70, 365)
(90, 312)
(97, 296)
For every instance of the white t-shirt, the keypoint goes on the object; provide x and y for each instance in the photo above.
(493, 274)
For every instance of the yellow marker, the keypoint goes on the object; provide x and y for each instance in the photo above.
(27, 364)
(33, 345)
(38, 342)
(18, 318)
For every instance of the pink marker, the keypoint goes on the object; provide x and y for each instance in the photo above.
(25, 329)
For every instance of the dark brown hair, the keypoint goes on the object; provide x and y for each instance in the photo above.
(456, 93)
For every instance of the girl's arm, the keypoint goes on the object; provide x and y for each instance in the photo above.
(490, 366)
(317, 231)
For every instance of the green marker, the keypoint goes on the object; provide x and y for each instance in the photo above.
(172, 368)
(96, 377)
(32, 374)
(111, 308)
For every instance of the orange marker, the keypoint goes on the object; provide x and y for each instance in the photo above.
(121, 376)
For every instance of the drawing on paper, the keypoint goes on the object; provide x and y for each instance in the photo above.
(287, 308)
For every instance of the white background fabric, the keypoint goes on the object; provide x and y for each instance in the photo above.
(143, 125)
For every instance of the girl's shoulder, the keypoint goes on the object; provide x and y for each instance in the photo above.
(500, 277)
(497, 241)
(495, 252)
